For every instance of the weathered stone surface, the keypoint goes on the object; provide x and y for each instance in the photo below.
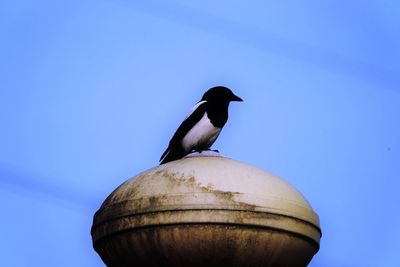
(206, 211)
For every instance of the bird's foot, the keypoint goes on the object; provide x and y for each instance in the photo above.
(205, 149)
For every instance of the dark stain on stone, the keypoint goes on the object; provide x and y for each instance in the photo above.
(226, 197)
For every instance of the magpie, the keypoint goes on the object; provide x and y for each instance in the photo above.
(203, 125)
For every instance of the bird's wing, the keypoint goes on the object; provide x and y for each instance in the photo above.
(197, 113)
(195, 108)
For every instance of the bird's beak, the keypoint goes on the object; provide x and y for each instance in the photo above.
(236, 98)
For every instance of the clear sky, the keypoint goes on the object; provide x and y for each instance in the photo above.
(92, 91)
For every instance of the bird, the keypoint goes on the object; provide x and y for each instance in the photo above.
(202, 126)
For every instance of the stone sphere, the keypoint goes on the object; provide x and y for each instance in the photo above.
(206, 211)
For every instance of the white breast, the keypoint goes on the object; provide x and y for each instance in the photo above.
(203, 134)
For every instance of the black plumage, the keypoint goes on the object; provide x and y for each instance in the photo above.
(202, 127)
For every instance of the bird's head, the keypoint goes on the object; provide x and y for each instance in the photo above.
(220, 94)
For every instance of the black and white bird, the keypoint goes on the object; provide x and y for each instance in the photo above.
(202, 127)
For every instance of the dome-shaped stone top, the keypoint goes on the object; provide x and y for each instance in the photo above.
(211, 190)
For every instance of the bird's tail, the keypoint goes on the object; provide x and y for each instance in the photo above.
(171, 154)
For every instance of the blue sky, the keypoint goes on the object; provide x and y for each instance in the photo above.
(92, 91)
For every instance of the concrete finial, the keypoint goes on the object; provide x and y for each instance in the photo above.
(206, 211)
